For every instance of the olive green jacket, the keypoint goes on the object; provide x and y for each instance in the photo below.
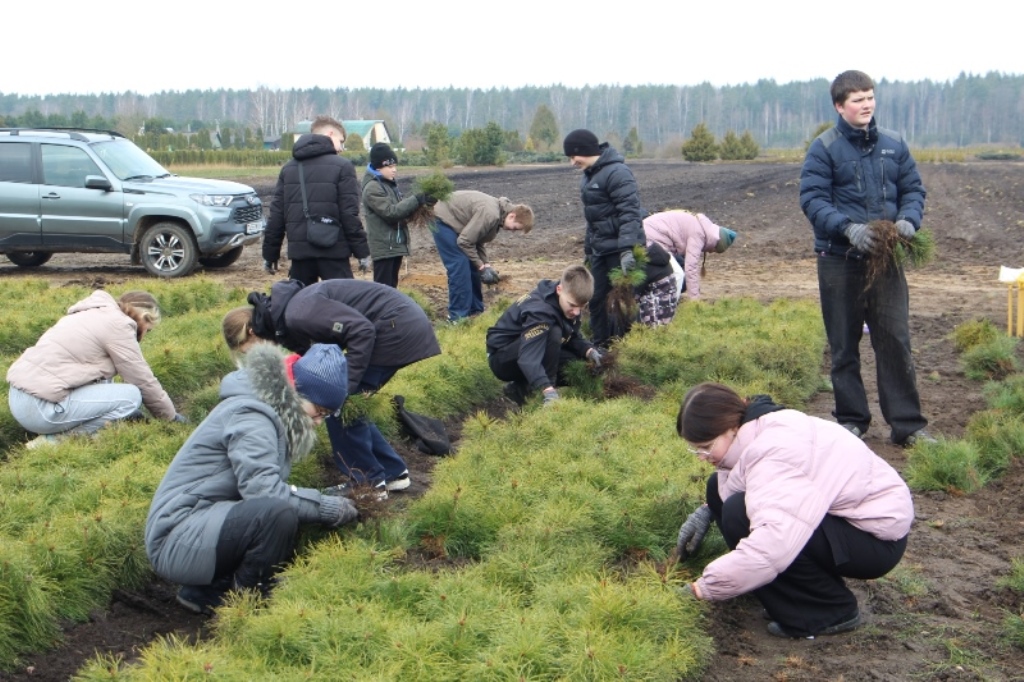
(384, 215)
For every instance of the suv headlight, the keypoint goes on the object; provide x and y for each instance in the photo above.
(212, 199)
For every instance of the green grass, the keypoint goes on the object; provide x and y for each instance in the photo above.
(533, 554)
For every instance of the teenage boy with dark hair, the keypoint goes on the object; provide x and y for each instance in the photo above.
(539, 333)
(611, 207)
(854, 174)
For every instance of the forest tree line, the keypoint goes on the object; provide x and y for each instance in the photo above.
(970, 110)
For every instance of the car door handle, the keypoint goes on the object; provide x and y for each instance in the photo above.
(51, 195)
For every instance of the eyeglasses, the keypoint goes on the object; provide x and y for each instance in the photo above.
(703, 453)
(324, 413)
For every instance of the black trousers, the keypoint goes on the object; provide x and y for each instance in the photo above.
(258, 536)
(386, 271)
(810, 595)
(846, 304)
(603, 328)
(312, 270)
(504, 363)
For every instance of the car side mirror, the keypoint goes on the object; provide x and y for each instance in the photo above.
(98, 182)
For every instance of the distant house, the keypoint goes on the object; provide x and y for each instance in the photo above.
(372, 131)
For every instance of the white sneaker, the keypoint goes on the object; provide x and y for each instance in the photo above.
(400, 483)
(42, 442)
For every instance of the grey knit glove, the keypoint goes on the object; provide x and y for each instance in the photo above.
(692, 532)
(628, 262)
(906, 229)
(862, 237)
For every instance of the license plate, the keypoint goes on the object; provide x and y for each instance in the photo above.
(254, 228)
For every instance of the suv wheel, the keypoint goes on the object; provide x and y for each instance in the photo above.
(168, 250)
(29, 259)
(222, 260)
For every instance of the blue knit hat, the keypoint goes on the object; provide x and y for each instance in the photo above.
(725, 239)
(321, 376)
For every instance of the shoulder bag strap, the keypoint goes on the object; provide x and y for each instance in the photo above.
(302, 185)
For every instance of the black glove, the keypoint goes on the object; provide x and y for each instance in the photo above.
(906, 229)
(489, 275)
(862, 237)
(628, 262)
(364, 264)
(180, 418)
(692, 532)
(270, 267)
(425, 199)
(595, 356)
(551, 397)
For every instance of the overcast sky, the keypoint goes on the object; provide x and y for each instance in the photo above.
(116, 46)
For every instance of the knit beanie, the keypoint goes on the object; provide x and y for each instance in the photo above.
(321, 376)
(725, 239)
(581, 142)
(381, 156)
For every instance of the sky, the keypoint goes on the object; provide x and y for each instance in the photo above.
(145, 48)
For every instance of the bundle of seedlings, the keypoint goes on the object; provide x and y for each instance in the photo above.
(621, 303)
(435, 185)
(892, 250)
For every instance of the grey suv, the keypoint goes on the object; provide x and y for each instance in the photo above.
(93, 191)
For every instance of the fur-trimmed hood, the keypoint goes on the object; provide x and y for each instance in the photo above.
(263, 376)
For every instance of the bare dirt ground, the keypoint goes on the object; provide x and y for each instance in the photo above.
(960, 546)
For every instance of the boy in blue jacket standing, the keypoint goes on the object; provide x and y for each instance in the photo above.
(854, 174)
(539, 333)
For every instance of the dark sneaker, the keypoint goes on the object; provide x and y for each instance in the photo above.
(400, 483)
(919, 436)
(856, 430)
(847, 624)
(516, 392)
(201, 599)
(357, 491)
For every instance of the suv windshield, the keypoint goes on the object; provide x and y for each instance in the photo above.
(128, 161)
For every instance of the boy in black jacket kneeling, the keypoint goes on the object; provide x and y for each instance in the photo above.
(539, 334)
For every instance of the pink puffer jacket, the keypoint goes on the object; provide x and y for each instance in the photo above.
(94, 342)
(685, 234)
(795, 469)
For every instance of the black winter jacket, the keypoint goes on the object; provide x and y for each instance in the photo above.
(611, 205)
(856, 176)
(331, 190)
(529, 319)
(373, 323)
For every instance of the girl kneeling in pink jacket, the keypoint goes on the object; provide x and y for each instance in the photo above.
(801, 502)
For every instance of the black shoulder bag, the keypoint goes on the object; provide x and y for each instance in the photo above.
(321, 231)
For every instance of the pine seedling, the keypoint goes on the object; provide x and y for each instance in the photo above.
(621, 302)
(436, 185)
(973, 333)
(918, 252)
(892, 250)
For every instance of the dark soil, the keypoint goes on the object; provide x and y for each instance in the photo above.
(960, 545)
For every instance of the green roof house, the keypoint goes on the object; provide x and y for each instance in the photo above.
(372, 131)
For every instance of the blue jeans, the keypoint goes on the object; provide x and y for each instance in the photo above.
(465, 292)
(85, 410)
(845, 307)
(360, 449)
